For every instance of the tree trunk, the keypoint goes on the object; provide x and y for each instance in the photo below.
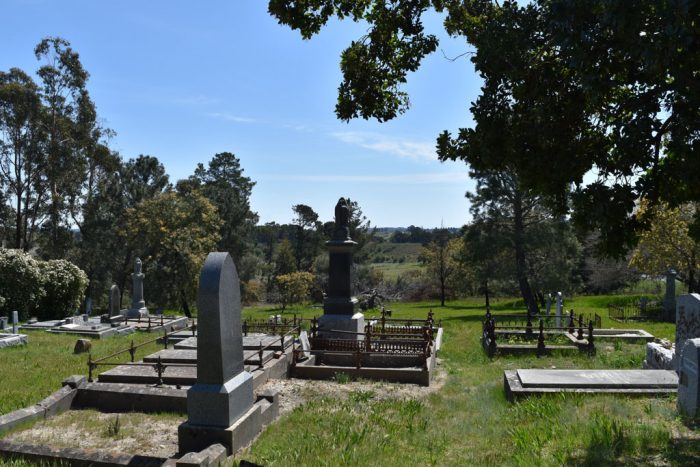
(442, 292)
(486, 294)
(184, 304)
(520, 261)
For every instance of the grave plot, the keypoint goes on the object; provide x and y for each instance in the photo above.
(12, 340)
(524, 382)
(507, 339)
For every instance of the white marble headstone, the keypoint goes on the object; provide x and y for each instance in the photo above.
(689, 378)
(687, 320)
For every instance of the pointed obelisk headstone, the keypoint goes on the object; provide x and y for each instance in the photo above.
(138, 304)
(224, 391)
(114, 300)
(15, 321)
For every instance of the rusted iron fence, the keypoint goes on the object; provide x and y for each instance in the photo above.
(641, 311)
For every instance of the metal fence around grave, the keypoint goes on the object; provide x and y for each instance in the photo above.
(651, 311)
(521, 320)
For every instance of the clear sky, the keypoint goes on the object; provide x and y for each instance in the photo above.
(183, 80)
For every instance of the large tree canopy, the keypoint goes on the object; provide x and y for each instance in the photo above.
(570, 87)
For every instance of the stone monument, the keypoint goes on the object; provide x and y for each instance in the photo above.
(549, 304)
(3, 322)
(15, 321)
(115, 304)
(560, 307)
(670, 297)
(138, 304)
(220, 405)
(689, 378)
(338, 305)
(687, 322)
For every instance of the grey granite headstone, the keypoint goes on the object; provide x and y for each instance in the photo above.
(339, 304)
(15, 321)
(560, 307)
(689, 378)
(138, 304)
(687, 321)
(3, 322)
(549, 303)
(224, 391)
(88, 306)
(114, 300)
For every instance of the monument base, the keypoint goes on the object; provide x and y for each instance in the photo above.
(220, 404)
(137, 313)
(240, 434)
(349, 323)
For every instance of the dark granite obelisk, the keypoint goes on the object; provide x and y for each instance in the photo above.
(339, 304)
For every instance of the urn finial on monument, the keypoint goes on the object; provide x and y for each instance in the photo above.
(339, 304)
(138, 304)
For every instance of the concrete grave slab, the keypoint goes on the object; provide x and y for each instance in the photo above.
(13, 340)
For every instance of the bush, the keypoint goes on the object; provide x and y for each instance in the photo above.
(64, 288)
(48, 289)
(20, 282)
(294, 287)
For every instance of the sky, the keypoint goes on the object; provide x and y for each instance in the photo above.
(184, 80)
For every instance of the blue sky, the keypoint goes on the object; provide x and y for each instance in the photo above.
(183, 80)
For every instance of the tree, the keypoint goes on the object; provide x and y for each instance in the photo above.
(622, 83)
(22, 155)
(223, 183)
(173, 233)
(440, 259)
(306, 242)
(486, 252)
(285, 262)
(294, 287)
(667, 243)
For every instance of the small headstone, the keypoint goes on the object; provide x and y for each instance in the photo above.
(670, 297)
(82, 345)
(114, 300)
(560, 307)
(549, 304)
(305, 344)
(86, 318)
(88, 306)
(687, 321)
(3, 322)
(15, 321)
(689, 379)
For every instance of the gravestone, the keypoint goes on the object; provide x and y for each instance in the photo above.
(82, 346)
(15, 321)
(114, 300)
(339, 304)
(687, 322)
(549, 303)
(138, 304)
(305, 344)
(3, 322)
(560, 307)
(223, 393)
(88, 306)
(689, 378)
(670, 297)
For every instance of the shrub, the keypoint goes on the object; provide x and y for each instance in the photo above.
(20, 282)
(64, 288)
(294, 287)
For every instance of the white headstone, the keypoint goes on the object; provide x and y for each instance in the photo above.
(15, 321)
(305, 344)
(560, 307)
(687, 321)
(689, 378)
(549, 304)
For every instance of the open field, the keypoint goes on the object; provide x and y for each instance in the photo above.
(467, 422)
(392, 271)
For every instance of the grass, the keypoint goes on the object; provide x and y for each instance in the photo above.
(467, 422)
(392, 271)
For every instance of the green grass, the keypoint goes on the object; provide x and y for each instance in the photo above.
(395, 252)
(392, 271)
(467, 422)
(32, 372)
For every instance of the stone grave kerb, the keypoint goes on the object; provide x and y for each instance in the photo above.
(687, 322)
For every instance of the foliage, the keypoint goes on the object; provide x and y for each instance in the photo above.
(64, 288)
(223, 183)
(173, 232)
(20, 282)
(285, 262)
(622, 84)
(307, 238)
(294, 287)
(667, 243)
(440, 259)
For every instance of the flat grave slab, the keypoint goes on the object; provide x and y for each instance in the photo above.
(628, 382)
(42, 325)
(97, 331)
(168, 323)
(598, 378)
(12, 340)
(182, 375)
